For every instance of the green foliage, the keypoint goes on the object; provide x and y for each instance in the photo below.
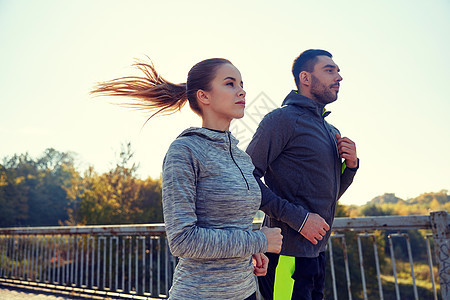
(117, 197)
(389, 204)
(341, 211)
(374, 210)
(32, 192)
(49, 191)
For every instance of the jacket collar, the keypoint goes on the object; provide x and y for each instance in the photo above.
(294, 98)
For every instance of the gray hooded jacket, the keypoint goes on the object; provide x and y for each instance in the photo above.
(210, 198)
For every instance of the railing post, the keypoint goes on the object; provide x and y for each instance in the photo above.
(441, 234)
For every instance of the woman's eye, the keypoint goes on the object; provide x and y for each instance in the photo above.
(230, 84)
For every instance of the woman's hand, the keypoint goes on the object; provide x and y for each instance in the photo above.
(260, 262)
(274, 239)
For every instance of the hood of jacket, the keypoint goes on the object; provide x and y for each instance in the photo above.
(218, 137)
(294, 98)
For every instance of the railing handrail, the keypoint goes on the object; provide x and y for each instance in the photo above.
(383, 223)
(340, 224)
(135, 229)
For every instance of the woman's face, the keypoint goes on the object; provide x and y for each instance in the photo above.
(226, 96)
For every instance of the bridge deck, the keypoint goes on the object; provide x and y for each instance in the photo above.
(14, 294)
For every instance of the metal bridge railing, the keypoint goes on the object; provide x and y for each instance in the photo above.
(133, 261)
(114, 261)
(437, 222)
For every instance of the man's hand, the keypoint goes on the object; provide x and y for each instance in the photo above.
(314, 228)
(347, 150)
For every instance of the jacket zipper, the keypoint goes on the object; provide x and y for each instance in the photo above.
(334, 143)
(232, 157)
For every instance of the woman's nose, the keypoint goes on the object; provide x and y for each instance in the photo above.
(242, 93)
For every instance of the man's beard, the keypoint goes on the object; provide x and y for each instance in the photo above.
(321, 92)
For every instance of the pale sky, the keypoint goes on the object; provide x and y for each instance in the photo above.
(393, 100)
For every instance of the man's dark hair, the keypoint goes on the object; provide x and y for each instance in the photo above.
(306, 62)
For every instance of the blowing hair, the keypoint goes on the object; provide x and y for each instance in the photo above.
(154, 93)
(306, 62)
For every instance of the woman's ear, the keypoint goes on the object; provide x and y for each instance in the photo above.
(202, 97)
(304, 78)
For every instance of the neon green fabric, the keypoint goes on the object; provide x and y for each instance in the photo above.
(343, 167)
(284, 284)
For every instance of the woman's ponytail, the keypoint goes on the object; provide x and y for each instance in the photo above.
(151, 92)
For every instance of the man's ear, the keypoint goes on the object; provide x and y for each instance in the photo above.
(304, 78)
(202, 97)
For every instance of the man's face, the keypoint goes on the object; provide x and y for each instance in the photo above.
(325, 80)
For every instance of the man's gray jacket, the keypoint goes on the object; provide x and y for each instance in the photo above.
(295, 150)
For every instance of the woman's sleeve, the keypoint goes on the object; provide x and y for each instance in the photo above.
(186, 239)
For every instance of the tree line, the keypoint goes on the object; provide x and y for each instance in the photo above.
(49, 191)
